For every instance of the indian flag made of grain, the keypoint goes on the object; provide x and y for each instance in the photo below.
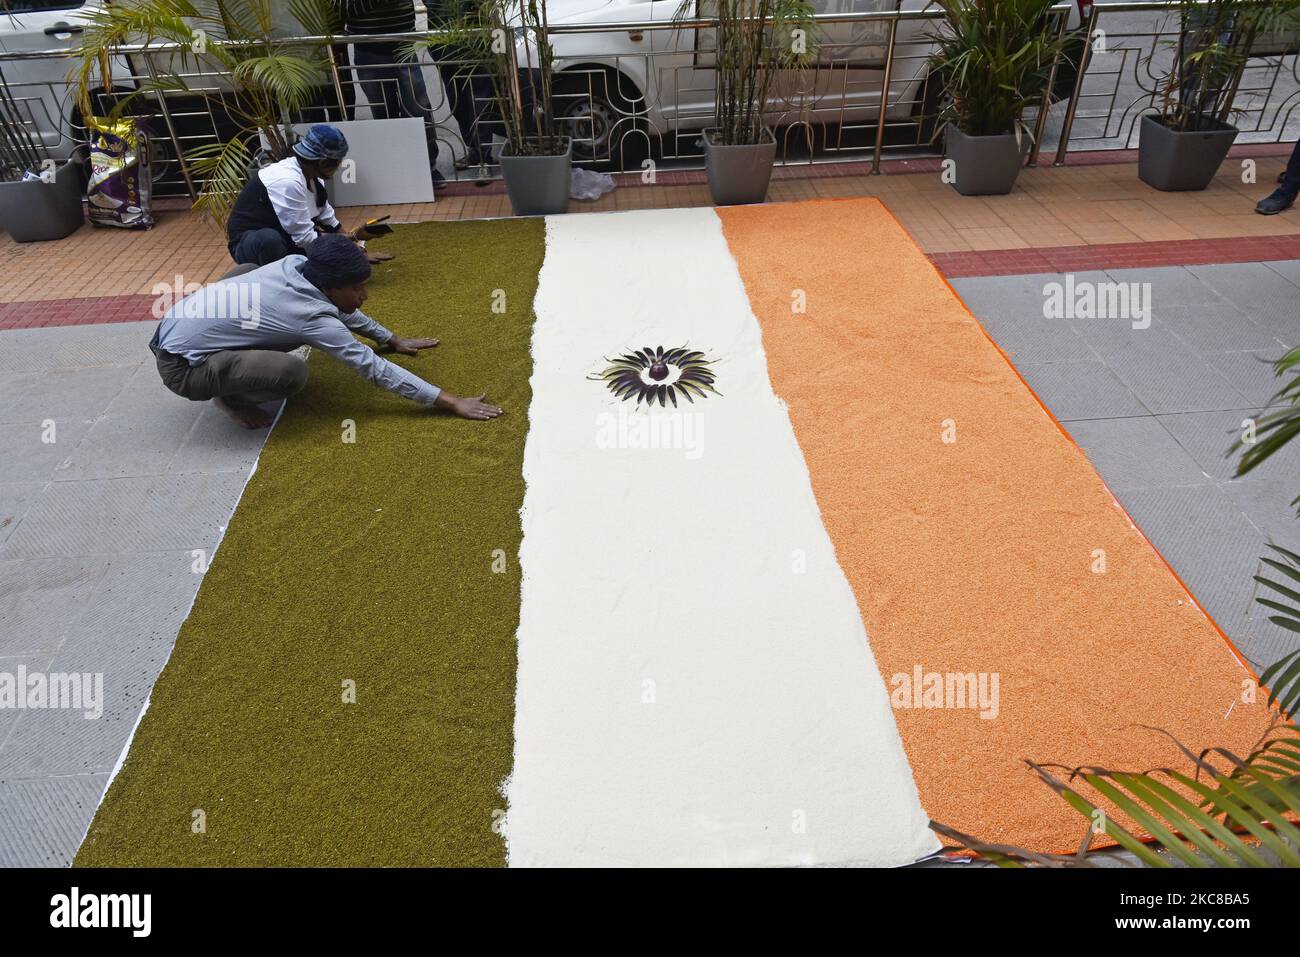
(764, 487)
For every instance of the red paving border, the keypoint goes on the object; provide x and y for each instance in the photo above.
(954, 265)
(75, 312)
(1063, 259)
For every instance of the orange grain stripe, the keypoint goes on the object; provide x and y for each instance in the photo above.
(976, 556)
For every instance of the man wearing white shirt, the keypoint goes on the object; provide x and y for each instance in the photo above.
(284, 206)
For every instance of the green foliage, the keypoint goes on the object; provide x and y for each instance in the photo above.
(993, 60)
(755, 41)
(1283, 675)
(1230, 812)
(1214, 42)
(272, 74)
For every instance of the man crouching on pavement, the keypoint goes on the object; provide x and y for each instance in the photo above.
(228, 342)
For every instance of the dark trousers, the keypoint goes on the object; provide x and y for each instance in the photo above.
(257, 247)
(1291, 178)
(240, 376)
(396, 88)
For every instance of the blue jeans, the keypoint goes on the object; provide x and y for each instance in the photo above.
(396, 88)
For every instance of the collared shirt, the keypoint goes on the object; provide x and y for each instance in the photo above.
(294, 201)
(275, 307)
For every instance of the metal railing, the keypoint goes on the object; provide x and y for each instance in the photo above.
(647, 94)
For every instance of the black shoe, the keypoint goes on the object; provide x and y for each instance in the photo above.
(439, 181)
(1281, 176)
(1275, 202)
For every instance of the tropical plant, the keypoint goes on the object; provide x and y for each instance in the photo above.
(1237, 812)
(993, 59)
(1196, 89)
(511, 39)
(272, 75)
(755, 40)
(1283, 676)
(1274, 429)
(19, 152)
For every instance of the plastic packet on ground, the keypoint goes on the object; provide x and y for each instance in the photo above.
(119, 188)
(588, 184)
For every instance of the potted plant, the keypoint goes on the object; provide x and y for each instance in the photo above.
(271, 75)
(39, 198)
(511, 36)
(1182, 145)
(993, 59)
(755, 39)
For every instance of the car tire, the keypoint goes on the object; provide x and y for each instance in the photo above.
(604, 114)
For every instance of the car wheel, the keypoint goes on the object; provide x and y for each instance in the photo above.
(604, 115)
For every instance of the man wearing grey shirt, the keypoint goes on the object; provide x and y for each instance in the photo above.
(229, 341)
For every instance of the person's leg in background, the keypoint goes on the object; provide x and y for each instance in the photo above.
(1288, 187)
(325, 106)
(378, 78)
(257, 247)
(415, 102)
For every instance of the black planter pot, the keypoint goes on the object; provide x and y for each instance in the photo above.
(984, 165)
(38, 211)
(739, 174)
(1175, 161)
(538, 185)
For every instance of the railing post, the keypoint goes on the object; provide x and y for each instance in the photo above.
(884, 90)
(1084, 58)
(171, 128)
(1047, 97)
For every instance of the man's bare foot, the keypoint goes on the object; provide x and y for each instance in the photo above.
(249, 416)
(378, 257)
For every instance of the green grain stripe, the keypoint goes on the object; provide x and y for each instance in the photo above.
(371, 562)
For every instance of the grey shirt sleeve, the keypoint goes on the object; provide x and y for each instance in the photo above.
(331, 336)
(360, 323)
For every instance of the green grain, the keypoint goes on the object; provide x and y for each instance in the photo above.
(370, 562)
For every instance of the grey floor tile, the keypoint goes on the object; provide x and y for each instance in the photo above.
(124, 635)
(1038, 340)
(121, 516)
(33, 451)
(1268, 506)
(1250, 373)
(42, 822)
(1217, 329)
(61, 394)
(15, 501)
(144, 392)
(121, 445)
(216, 444)
(1021, 297)
(1252, 285)
(1208, 438)
(1167, 376)
(14, 668)
(1288, 269)
(1080, 389)
(41, 599)
(1214, 548)
(75, 347)
(1136, 453)
(1170, 286)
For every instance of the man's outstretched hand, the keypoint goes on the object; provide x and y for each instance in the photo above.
(467, 407)
(410, 347)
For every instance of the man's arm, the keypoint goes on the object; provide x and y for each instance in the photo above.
(331, 336)
(363, 325)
